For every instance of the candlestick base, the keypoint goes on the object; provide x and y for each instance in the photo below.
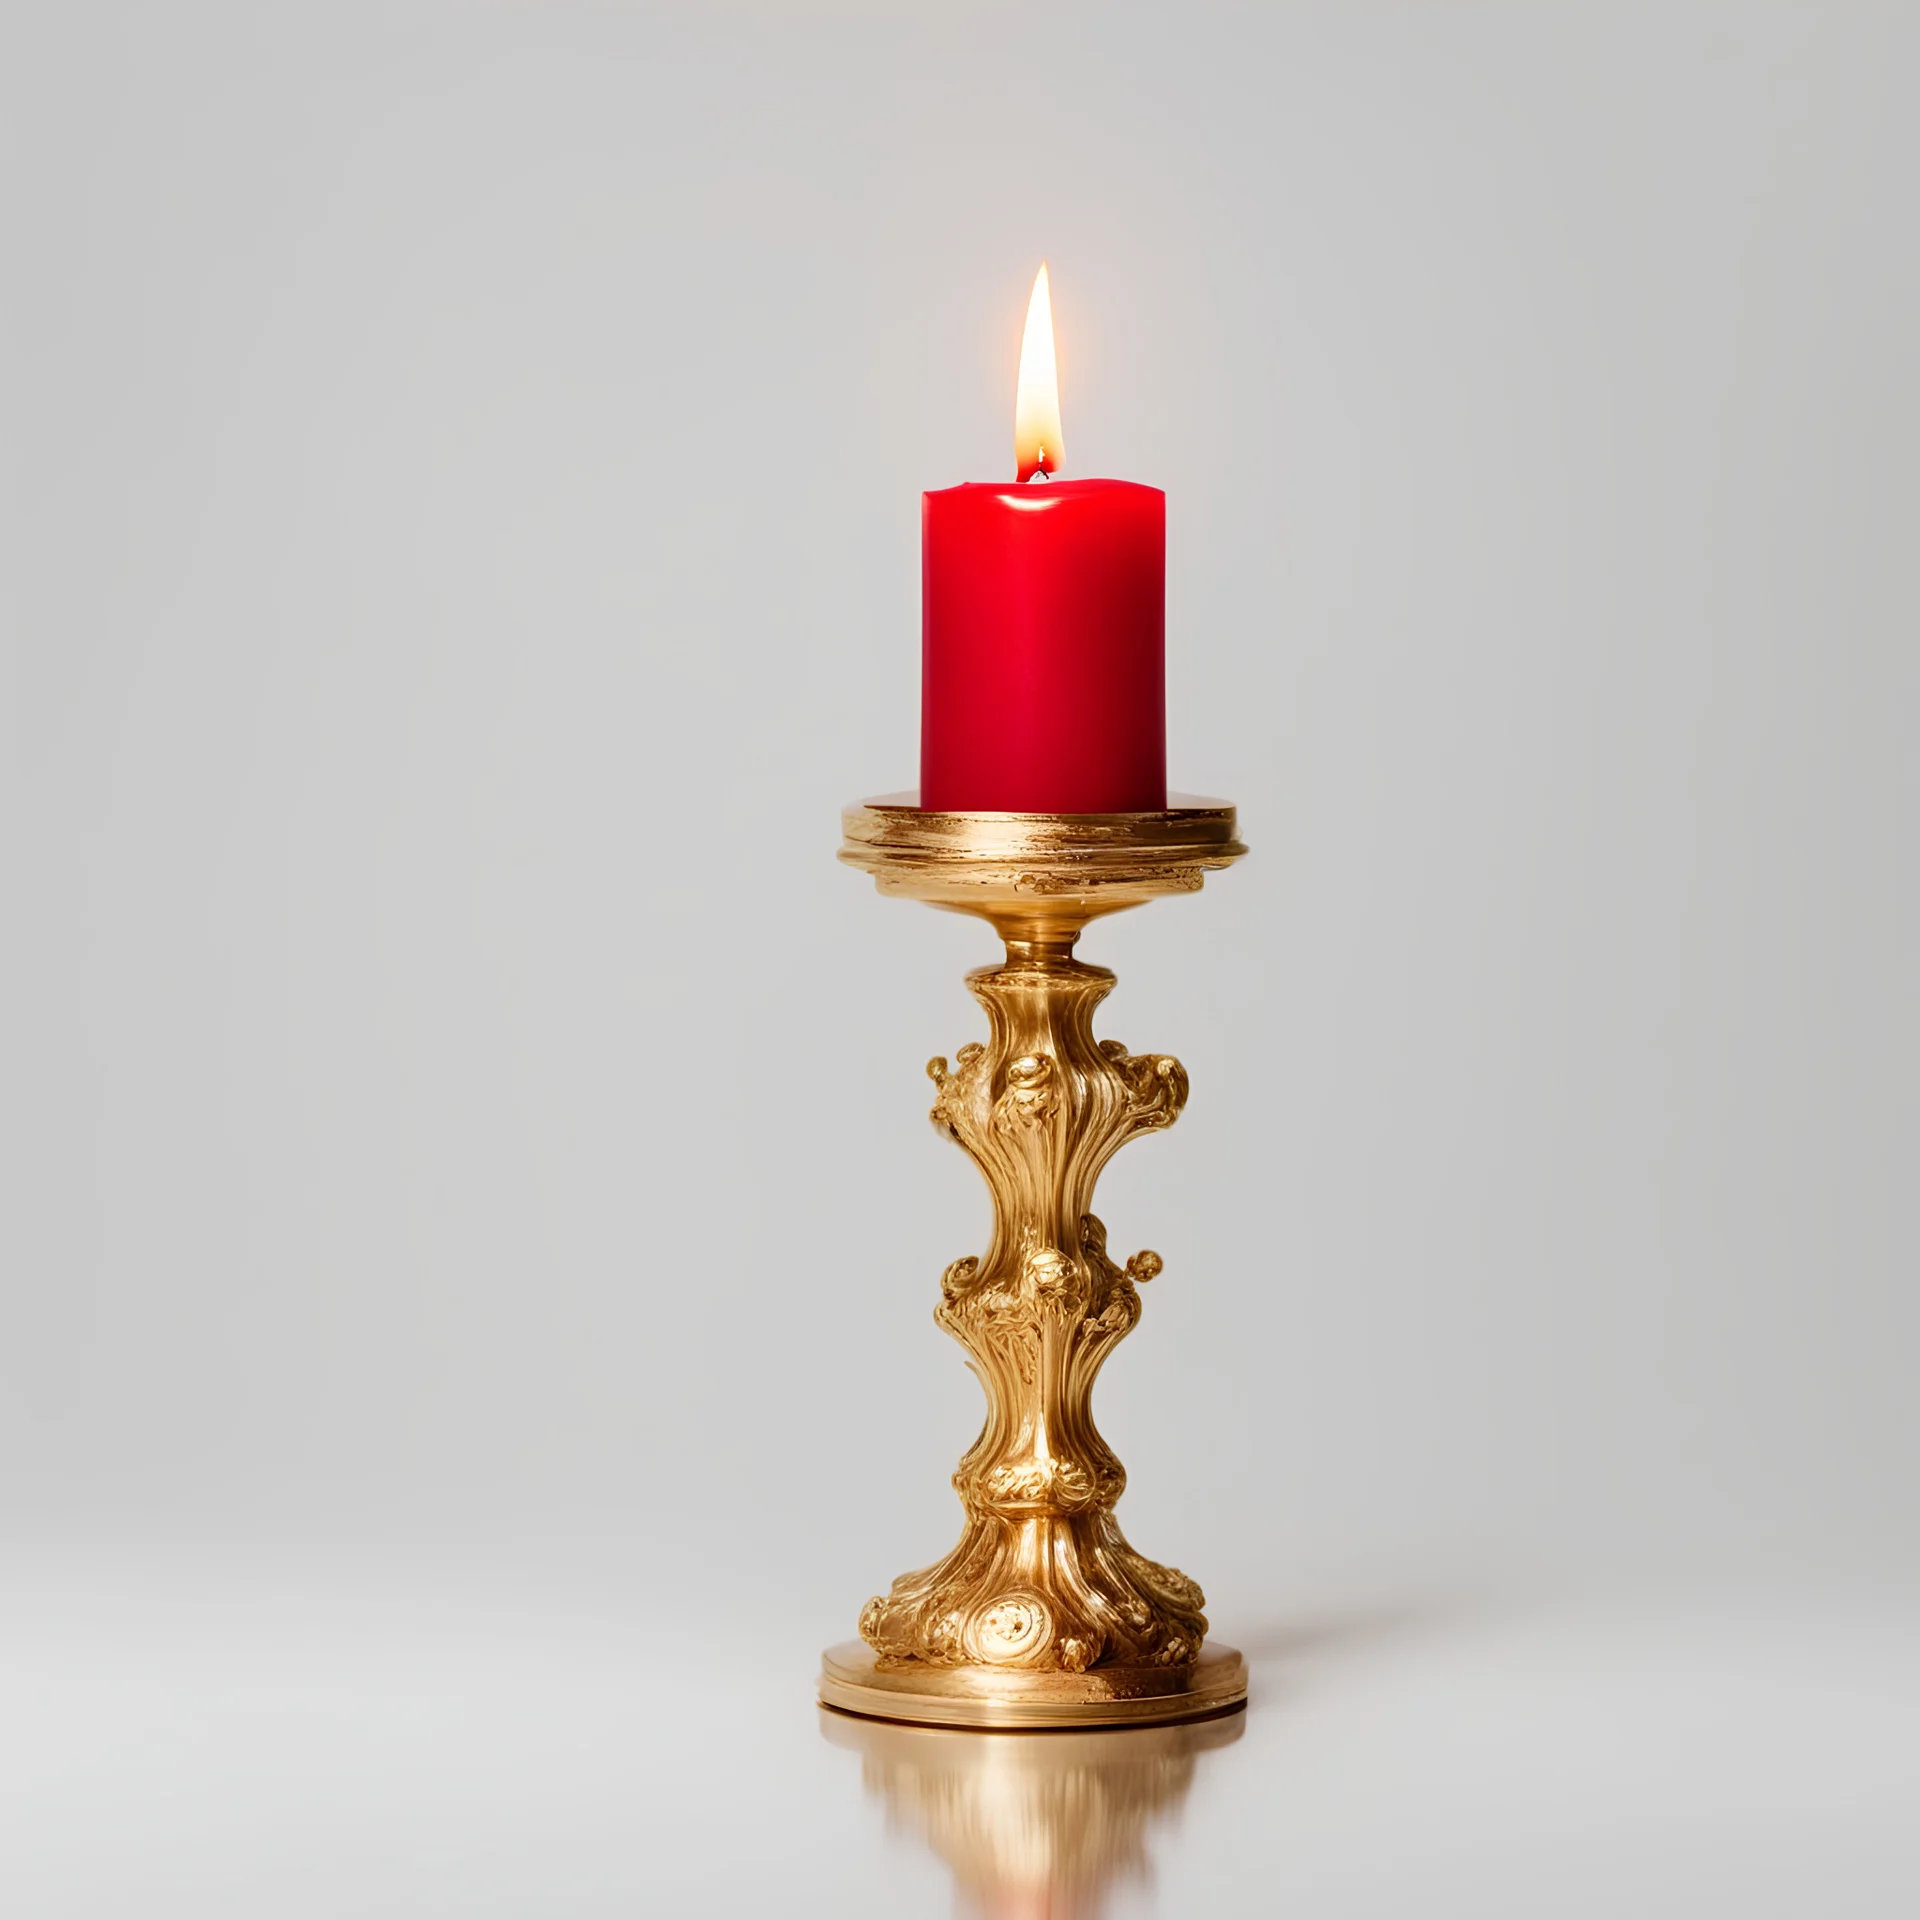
(857, 1680)
(1043, 1615)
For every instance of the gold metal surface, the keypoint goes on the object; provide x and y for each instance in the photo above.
(856, 1679)
(1030, 1824)
(1038, 873)
(1043, 1615)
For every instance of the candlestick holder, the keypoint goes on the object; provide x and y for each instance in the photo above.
(1043, 1615)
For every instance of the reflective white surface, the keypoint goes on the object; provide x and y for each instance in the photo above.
(437, 436)
(219, 1738)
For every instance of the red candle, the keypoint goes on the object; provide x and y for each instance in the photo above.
(1043, 628)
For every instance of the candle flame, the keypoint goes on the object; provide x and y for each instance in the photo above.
(1036, 406)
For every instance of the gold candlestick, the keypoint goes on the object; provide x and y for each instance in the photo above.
(1043, 1615)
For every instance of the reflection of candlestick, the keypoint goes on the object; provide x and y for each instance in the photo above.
(1044, 1614)
(1032, 1826)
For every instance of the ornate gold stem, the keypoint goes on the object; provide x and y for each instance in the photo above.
(1042, 1614)
(1042, 1577)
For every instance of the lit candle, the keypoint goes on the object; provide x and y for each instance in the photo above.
(1043, 626)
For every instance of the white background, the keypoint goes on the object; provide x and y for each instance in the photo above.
(463, 1136)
